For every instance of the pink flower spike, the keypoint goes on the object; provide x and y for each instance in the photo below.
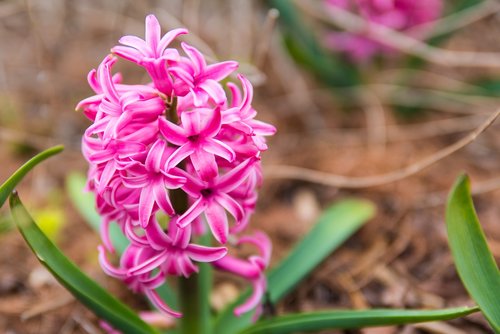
(209, 156)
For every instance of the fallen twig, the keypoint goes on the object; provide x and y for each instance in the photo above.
(324, 178)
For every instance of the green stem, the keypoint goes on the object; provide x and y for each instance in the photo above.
(191, 307)
(194, 299)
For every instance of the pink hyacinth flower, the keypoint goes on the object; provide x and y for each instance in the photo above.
(145, 283)
(174, 252)
(200, 79)
(212, 199)
(176, 139)
(196, 140)
(151, 53)
(251, 269)
(153, 182)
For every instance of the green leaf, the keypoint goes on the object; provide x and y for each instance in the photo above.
(336, 225)
(11, 183)
(345, 319)
(87, 291)
(475, 263)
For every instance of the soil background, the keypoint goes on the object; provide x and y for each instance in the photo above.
(400, 259)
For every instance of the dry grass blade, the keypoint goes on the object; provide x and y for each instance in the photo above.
(324, 178)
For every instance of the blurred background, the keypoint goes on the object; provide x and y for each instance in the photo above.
(431, 84)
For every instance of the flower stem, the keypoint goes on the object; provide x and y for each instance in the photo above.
(190, 305)
(194, 305)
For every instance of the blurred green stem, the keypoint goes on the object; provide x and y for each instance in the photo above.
(191, 307)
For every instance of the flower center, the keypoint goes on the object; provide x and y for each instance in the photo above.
(206, 192)
(193, 138)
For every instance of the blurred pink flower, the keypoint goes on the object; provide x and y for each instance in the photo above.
(399, 15)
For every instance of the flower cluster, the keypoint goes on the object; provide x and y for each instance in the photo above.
(399, 15)
(177, 149)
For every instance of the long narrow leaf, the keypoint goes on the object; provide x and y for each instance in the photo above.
(11, 183)
(317, 321)
(67, 273)
(473, 259)
(336, 225)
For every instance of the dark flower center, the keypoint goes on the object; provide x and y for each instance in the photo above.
(206, 192)
(193, 138)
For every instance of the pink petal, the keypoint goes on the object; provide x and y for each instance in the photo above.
(160, 304)
(242, 268)
(172, 133)
(259, 288)
(180, 154)
(161, 197)
(155, 281)
(232, 179)
(192, 213)
(217, 221)
(213, 125)
(136, 43)
(247, 93)
(153, 160)
(186, 266)
(198, 61)
(104, 232)
(106, 176)
(262, 129)
(214, 90)
(191, 122)
(148, 265)
(235, 93)
(168, 38)
(104, 76)
(157, 237)
(218, 148)
(127, 53)
(262, 242)
(205, 254)
(137, 240)
(107, 267)
(183, 75)
(205, 165)
(146, 205)
(193, 184)
(153, 31)
(219, 71)
(233, 207)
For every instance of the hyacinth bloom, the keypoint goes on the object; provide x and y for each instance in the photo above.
(177, 139)
(399, 15)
